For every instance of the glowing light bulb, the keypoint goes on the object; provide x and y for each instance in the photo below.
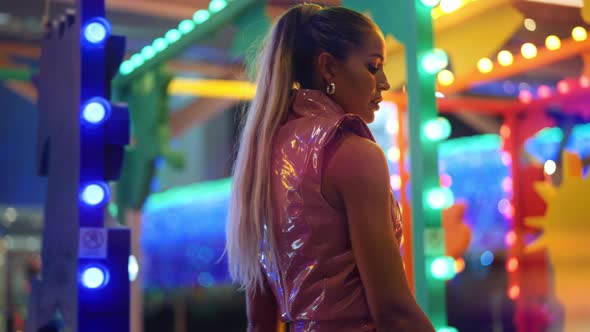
(504, 131)
(507, 184)
(530, 24)
(525, 96)
(126, 67)
(392, 127)
(443, 268)
(95, 193)
(563, 87)
(186, 26)
(172, 36)
(584, 81)
(97, 30)
(137, 60)
(509, 212)
(550, 167)
(514, 292)
(430, 3)
(132, 268)
(449, 6)
(437, 129)
(160, 44)
(505, 58)
(485, 65)
(447, 329)
(217, 5)
(434, 61)
(439, 198)
(512, 264)
(528, 50)
(459, 265)
(487, 258)
(148, 52)
(395, 181)
(552, 42)
(445, 77)
(544, 91)
(393, 154)
(94, 277)
(201, 16)
(504, 205)
(579, 34)
(506, 158)
(96, 111)
(446, 180)
(510, 239)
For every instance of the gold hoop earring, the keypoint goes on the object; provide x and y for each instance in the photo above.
(331, 88)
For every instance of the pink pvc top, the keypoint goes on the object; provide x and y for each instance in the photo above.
(316, 283)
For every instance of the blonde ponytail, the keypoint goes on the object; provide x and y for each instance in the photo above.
(250, 210)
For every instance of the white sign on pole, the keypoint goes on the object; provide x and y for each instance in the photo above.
(93, 242)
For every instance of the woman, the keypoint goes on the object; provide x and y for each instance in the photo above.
(313, 227)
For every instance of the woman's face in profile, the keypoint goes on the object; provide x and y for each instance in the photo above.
(360, 79)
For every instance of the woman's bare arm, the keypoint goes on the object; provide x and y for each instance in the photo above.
(358, 172)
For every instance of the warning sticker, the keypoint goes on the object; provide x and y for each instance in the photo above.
(93, 242)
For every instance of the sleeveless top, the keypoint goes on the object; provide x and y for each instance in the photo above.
(316, 283)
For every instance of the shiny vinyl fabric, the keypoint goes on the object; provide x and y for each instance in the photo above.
(314, 276)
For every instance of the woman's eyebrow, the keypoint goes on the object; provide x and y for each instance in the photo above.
(377, 55)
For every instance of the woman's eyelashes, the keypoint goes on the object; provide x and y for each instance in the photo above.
(373, 69)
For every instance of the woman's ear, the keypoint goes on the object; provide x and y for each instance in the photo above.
(327, 64)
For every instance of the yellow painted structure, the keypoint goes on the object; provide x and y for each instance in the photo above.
(212, 88)
(478, 29)
(566, 235)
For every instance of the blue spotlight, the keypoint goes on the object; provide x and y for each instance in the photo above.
(94, 276)
(95, 193)
(97, 30)
(486, 258)
(205, 279)
(96, 111)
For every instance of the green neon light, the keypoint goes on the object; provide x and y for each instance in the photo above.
(189, 194)
(148, 52)
(201, 16)
(447, 329)
(137, 60)
(443, 268)
(175, 40)
(217, 5)
(437, 129)
(172, 36)
(439, 198)
(434, 61)
(186, 26)
(160, 44)
(126, 67)
(113, 210)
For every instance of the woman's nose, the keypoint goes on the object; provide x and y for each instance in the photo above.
(384, 85)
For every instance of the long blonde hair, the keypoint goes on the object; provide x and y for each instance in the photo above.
(286, 59)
